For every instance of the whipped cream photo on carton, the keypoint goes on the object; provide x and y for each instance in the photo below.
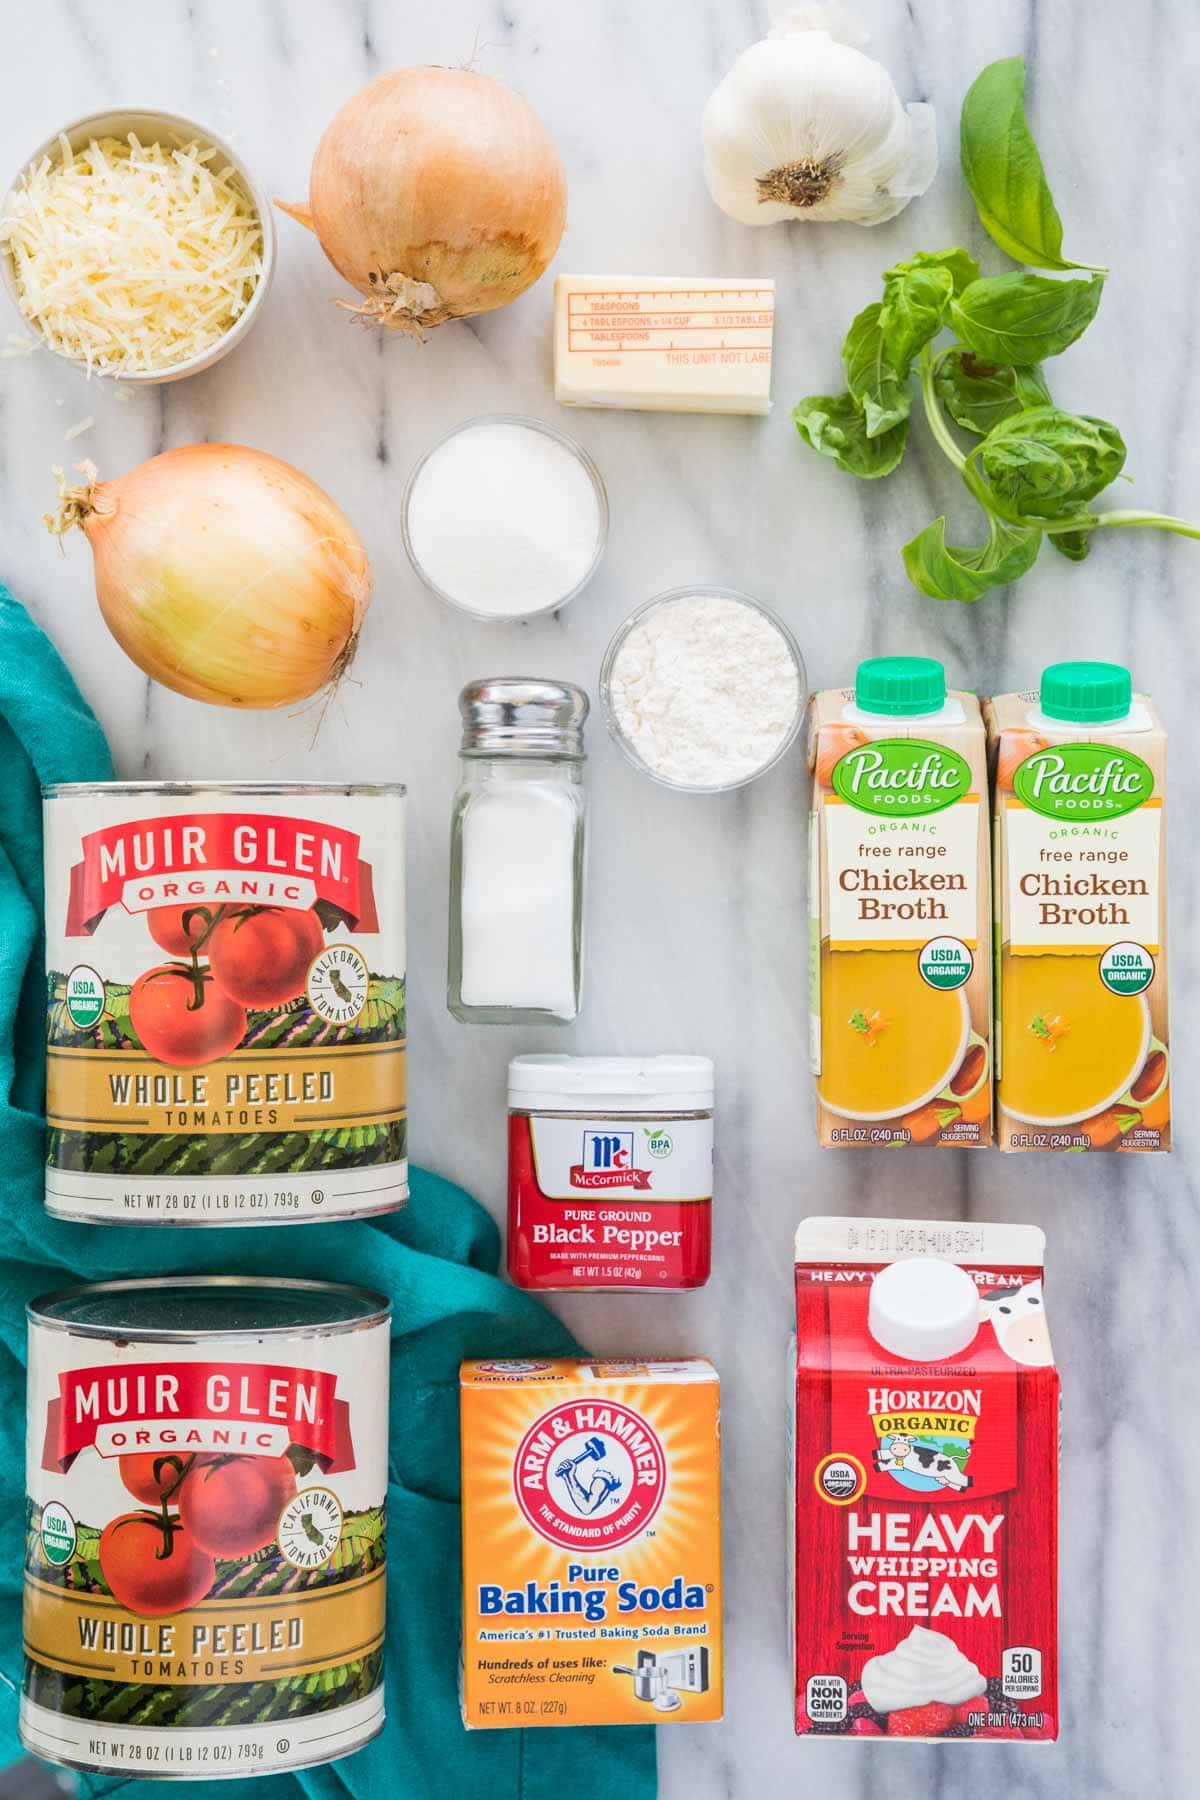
(899, 911)
(924, 1483)
(591, 1543)
(1082, 1041)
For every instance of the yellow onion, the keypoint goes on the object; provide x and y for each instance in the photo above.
(437, 193)
(223, 573)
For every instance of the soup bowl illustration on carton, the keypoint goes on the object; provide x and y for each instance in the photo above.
(1081, 927)
(899, 904)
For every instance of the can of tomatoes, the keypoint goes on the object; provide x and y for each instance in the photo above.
(225, 974)
(206, 1475)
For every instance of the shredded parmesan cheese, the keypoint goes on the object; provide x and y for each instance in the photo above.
(132, 257)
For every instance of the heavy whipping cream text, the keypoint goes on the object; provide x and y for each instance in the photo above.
(227, 1012)
(925, 1483)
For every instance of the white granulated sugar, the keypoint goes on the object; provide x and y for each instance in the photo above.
(504, 519)
(704, 689)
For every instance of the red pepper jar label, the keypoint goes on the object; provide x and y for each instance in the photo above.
(621, 1202)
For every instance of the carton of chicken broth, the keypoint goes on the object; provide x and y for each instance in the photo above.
(924, 1482)
(899, 911)
(591, 1543)
(1082, 1058)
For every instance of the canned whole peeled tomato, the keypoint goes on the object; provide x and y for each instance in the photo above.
(206, 1467)
(225, 970)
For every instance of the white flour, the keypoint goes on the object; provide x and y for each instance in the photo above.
(704, 689)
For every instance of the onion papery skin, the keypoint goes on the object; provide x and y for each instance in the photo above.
(440, 178)
(227, 575)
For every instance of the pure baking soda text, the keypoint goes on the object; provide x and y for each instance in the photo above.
(591, 1543)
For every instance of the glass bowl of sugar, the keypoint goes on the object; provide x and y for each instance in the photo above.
(505, 518)
(703, 689)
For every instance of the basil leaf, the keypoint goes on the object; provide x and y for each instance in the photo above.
(965, 571)
(1022, 319)
(913, 311)
(961, 264)
(1074, 545)
(834, 426)
(880, 388)
(1004, 170)
(978, 395)
(1045, 462)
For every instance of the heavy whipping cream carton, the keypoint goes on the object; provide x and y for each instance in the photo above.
(924, 1482)
(591, 1543)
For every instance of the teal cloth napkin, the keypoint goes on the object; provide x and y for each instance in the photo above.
(436, 1261)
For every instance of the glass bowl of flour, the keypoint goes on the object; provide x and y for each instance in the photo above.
(703, 688)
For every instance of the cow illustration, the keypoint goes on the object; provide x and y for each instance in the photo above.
(1016, 1316)
(897, 1452)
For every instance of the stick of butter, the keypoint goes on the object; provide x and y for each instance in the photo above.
(661, 344)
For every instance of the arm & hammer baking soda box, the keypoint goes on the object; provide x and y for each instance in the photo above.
(591, 1542)
(924, 1483)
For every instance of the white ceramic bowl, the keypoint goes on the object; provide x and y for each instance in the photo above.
(153, 126)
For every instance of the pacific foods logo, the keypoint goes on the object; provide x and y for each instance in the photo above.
(901, 777)
(1083, 781)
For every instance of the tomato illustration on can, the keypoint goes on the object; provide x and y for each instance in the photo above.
(205, 1540)
(233, 1048)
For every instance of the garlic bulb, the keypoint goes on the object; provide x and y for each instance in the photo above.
(804, 126)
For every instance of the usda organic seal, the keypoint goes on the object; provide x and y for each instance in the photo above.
(945, 963)
(58, 1534)
(1127, 968)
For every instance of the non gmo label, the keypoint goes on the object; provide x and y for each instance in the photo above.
(825, 1699)
(945, 963)
(1127, 969)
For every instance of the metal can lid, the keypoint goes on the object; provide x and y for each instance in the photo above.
(522, 715)
(634, 1084)
(184, 1308)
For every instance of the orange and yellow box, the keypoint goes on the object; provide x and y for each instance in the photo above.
(591, 1533)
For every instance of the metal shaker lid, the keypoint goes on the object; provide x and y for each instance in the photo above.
(522, 715)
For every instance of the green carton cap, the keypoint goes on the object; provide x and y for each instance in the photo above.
(1081, 692)
(900, 685)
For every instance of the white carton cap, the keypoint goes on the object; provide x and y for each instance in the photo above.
(923, 1309)
(610, 1084)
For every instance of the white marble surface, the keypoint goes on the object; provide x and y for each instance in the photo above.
(696, 904)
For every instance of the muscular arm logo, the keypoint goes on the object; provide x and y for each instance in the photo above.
(587, 1488)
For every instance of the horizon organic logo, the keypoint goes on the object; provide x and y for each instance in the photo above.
(1083, 781)
(901, 777)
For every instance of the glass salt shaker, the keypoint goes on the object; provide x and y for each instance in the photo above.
(517, 853)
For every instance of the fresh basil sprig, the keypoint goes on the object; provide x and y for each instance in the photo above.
(1034, 468)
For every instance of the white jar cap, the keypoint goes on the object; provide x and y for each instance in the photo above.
(610, 1084)
(923, 1309)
